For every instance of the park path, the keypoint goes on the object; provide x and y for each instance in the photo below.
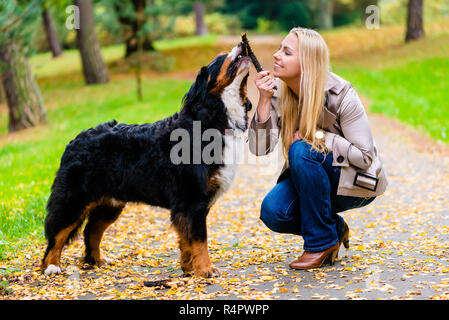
(399, 243)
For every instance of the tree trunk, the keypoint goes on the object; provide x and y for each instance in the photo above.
(94, 68)
(2, 91)
(52, 36)
(140, 19)
(415, 29)
(131, 43)
(131, 35)
(201, 28)
(325, 11)
(23, 95)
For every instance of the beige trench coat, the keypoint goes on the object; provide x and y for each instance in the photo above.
(347, 135)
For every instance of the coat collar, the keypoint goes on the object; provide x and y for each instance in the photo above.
(334, 83)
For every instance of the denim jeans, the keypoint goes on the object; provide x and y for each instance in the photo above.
(306, 202)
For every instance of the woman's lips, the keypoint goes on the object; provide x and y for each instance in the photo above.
(277, 65)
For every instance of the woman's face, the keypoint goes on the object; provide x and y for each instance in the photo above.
(286, 59)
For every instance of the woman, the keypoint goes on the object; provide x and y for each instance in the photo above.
(332, 162)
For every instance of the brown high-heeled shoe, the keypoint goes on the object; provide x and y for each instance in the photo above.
(345, 237)
(310, 260)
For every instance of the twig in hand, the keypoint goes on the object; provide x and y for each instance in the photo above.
(247, 51)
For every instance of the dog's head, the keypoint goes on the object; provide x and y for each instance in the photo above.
(223, 81)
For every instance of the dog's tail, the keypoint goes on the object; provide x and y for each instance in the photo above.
(65, 208)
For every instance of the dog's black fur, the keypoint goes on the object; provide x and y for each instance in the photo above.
(106, 166)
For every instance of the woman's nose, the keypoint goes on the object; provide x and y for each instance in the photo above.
(276, 55)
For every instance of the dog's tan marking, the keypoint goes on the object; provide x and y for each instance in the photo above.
(54, 255)
(201, 263)
(222, 80)
(112, 202)
(185, 247)
(96, 228)
(213, 184)
(95, 234)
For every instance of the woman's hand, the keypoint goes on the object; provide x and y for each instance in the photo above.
(296, 136)
(265, 83)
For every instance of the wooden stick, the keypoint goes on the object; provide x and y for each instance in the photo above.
(247, 51)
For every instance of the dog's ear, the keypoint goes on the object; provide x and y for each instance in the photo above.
(198, 89)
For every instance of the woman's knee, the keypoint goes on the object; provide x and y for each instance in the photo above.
(268, 212)
(298, 152)
(274, 217)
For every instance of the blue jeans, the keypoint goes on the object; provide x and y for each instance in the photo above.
(306, 202)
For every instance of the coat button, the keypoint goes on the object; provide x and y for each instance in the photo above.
(340, 159)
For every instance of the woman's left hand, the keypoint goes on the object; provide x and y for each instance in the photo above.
(296, 136)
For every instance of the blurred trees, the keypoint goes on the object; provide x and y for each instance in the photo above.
(201, 28)
(320, 14)
(325, 10)
(127, 14)
(50, 31)
(94, 68)
(18, 20)
(415, 29)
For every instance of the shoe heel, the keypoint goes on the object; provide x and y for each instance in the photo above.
(346, 243)
(330, 259)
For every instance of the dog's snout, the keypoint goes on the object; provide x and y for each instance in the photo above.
(235, 51)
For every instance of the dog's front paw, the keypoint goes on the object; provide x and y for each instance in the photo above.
(99, 262)
(207, 272)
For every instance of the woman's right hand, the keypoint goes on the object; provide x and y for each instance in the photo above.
(265, 83)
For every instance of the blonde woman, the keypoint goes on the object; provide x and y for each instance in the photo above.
(332, 162)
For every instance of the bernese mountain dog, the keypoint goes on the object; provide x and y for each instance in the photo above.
(105, 167)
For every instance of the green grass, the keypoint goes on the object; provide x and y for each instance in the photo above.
(44, 65)
(408, 82)
(186, 42)
(416, 93)
(28, 163)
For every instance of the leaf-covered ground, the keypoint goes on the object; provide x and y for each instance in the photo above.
(399, 243)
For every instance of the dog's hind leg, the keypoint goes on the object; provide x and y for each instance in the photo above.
(100, 218)
(58, 234)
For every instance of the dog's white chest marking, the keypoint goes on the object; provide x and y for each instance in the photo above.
(234, 104)
(228, 171)
(236, 119)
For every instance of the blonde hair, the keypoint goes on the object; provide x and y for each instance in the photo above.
(302, 112)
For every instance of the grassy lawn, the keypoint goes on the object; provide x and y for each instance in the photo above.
(407, 82)
(29, 159)
(421, 100)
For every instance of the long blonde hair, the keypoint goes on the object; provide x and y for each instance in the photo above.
(303, 112)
